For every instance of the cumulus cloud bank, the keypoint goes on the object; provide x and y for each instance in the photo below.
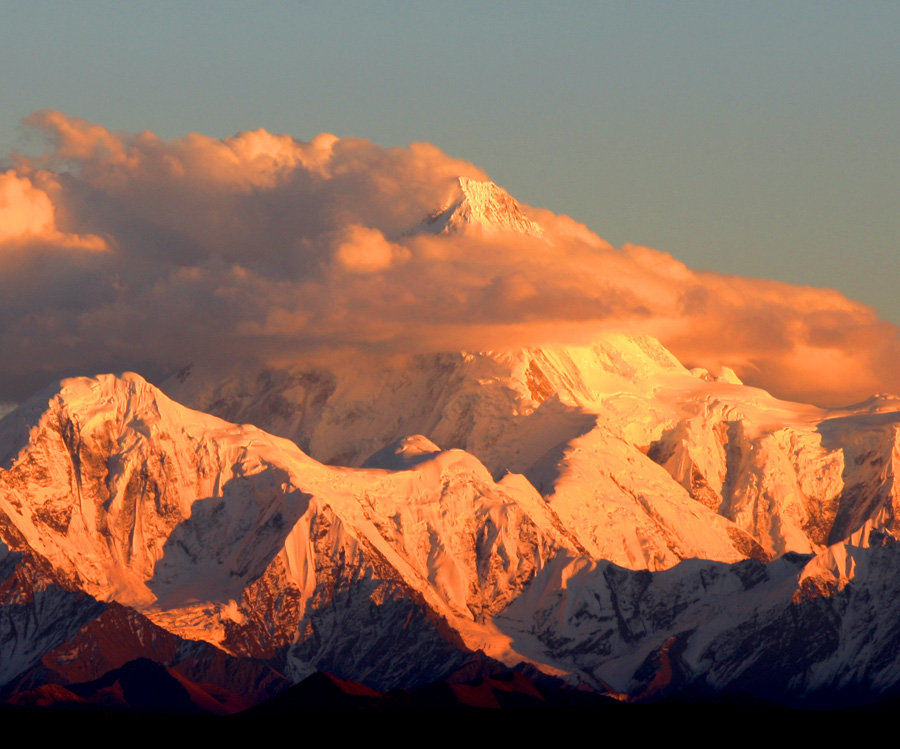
(128, 251)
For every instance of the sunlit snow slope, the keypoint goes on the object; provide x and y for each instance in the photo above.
(644, 461)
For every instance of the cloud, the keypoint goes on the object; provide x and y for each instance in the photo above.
(27, 217)
(128, 251)
(363, 250)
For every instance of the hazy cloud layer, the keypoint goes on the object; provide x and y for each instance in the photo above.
(127, 251)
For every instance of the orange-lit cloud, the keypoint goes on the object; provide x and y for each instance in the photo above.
(27, 216)
(264, 246)
(363, 250)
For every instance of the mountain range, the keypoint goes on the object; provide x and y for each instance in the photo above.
(595, 516)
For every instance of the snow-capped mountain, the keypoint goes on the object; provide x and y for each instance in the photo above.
(226, 534)
(600, 513)
(482, 204)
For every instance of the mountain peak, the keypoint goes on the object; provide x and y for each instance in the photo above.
(482, 203)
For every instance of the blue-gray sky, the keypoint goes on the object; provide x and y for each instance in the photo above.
(754, 138)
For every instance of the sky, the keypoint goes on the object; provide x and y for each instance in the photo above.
(756, 139)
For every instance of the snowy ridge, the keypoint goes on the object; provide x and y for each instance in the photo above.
(783, 630)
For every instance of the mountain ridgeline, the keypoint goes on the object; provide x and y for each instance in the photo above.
(596, 514)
